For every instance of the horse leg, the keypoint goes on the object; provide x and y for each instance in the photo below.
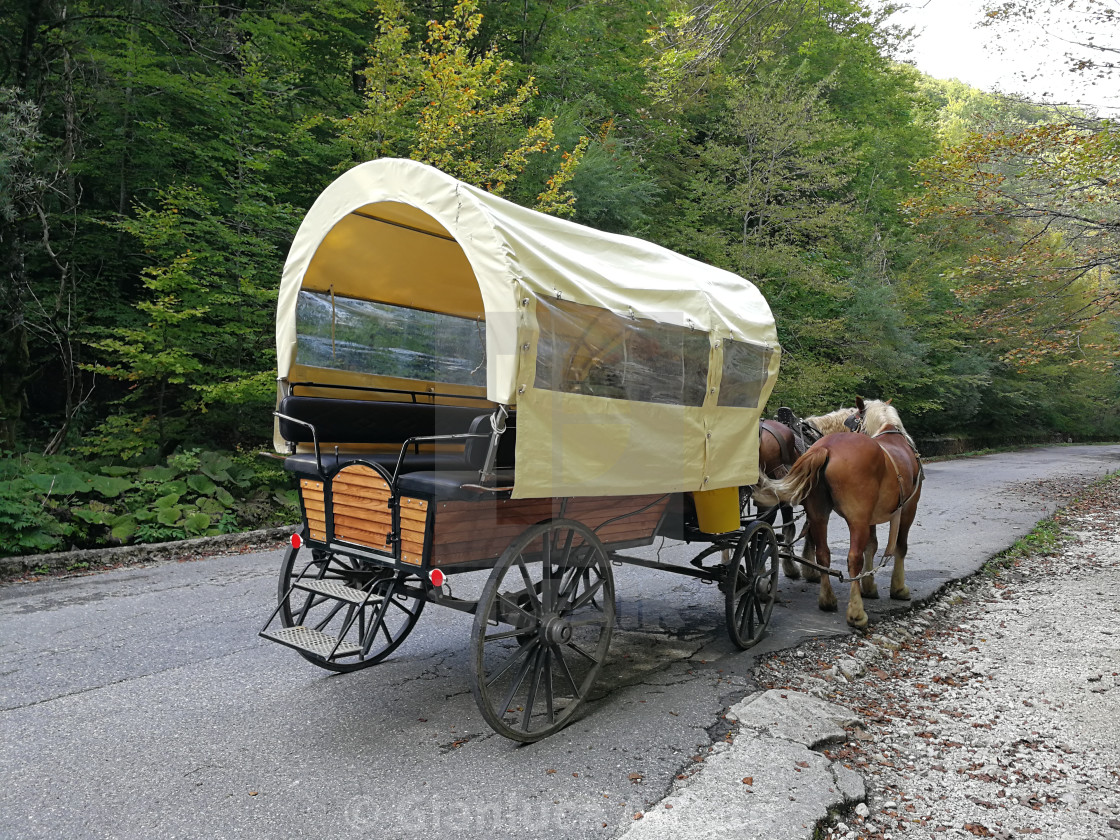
(859, 535)
(899, 590)
(867, 585)
(817, 513)
(790, 567)
(809, 555)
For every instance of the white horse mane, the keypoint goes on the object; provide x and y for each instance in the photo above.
(833, 421)
(878, 415)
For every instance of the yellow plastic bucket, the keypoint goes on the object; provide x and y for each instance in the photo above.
(717, 511)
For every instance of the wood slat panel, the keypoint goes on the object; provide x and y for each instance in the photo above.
(359, 498)
(359, 476)
(360, 537)
(357, 491)
(467, 518)
(413, 515)
(382, 516)
(474, 531)
(352, 524)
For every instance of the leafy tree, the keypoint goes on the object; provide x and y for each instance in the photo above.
(799, 139)
(442, 103)
(1047, 196)
(1084, 29)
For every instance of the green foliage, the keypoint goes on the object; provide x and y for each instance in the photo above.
(155, 161)
(48, 503)
(446, 103)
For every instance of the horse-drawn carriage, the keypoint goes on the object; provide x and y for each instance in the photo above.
(468, 386)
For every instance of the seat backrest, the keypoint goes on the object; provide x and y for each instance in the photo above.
(474, 453)
(366, 421)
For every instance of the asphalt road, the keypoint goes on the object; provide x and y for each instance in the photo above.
(140, 703)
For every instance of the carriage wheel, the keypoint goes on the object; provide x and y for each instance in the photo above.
(372, 630)
(751, 585)
(541, 630)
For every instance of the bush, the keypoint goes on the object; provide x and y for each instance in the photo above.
(52, 504)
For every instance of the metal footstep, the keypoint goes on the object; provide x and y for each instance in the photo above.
(310, 640)
(337, 590)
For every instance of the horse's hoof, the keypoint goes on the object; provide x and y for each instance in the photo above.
(827, 606)
(902, 594)
(812, 576)
(791, 571)
(871, 591)
(860, 622)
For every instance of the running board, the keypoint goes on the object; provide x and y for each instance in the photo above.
(314, 642)
(310, 640)
(337, 590)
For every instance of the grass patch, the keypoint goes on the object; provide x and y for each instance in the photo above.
(1050, 534)
(1046, 538)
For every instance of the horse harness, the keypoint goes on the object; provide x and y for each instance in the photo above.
(805, 434)
(903, 499)
(783, 445)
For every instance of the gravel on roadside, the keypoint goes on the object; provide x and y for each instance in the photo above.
(994, 709)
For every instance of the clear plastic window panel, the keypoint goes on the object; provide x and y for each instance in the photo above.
(364, 336)
(745, 368)
(587, 350)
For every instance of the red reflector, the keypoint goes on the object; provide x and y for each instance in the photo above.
(296, 541)
(437, 577)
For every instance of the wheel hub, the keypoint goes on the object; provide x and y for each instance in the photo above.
(556, 630)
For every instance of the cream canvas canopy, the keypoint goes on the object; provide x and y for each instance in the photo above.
(632, 369)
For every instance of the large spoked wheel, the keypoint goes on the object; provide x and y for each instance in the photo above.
(541, 630)
(751, 584)
(362, 604)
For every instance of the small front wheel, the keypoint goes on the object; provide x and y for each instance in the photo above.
(541, 630)
(751, 585)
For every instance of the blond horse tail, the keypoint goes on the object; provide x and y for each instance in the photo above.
(802, 477)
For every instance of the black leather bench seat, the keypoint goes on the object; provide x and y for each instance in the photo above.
(448, 485)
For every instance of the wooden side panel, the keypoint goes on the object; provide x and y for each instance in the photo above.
(471, 531)
(360, 504)
(360, 507)
(414, 525)
(312, 492)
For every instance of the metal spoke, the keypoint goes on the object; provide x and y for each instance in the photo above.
(505, 634)
(534, 682)
(530, 587)
(548, 691)
(529, 617)
(587, 622)
(588, 595)
(520, 678)
(333, 612)
(564, 667)
(379, 621)
(580, 651)
(524, 648)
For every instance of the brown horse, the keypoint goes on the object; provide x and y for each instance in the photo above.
(868, 479)
(779, 446)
